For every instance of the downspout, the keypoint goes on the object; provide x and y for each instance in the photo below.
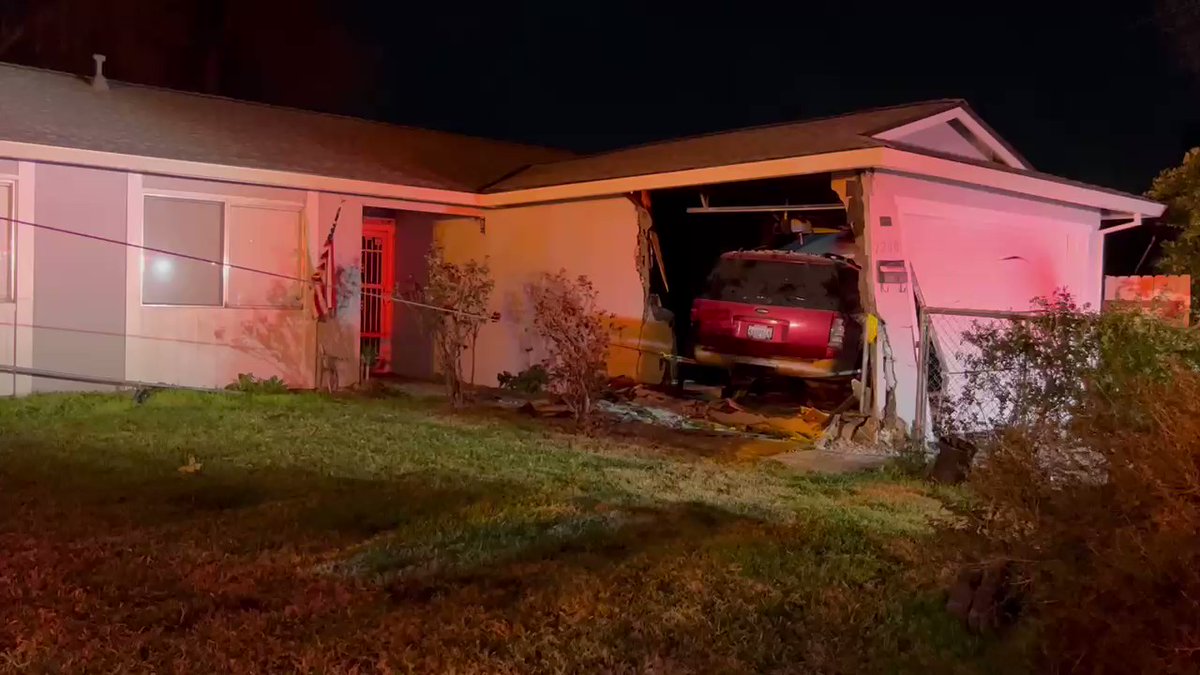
(1104, 232)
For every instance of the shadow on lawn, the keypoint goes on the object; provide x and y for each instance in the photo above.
(266, 507)
(540, 555)
(420, 536)
(283, 569)
(234, 508)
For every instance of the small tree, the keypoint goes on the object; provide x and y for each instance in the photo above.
(1179, 189)
(455, 300)
(577, 337)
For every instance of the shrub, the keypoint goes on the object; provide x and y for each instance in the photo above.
(1020, 372)
(532, 380)
(1034, 372)
(577, 338)
(368, 356)
(249, 384)
(456, 298)
(1089, 491)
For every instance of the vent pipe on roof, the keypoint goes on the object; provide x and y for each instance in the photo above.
(99, 83)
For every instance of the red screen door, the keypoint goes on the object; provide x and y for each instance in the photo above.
(378, 285)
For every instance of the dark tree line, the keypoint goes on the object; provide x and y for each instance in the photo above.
(1179, 20)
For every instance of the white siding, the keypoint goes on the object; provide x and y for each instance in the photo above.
(971, 248)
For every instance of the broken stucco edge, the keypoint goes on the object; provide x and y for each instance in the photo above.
(852, 188)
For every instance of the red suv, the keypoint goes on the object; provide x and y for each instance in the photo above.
(795, 314)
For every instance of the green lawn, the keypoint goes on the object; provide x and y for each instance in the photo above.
(356, 535)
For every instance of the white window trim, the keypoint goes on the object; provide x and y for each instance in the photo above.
(10, 182)
(228, 202)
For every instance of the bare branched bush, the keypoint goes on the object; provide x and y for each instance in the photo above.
(577, 336)
(1089, 489)
(456, 301)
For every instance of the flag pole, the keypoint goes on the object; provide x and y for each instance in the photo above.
(323, 281)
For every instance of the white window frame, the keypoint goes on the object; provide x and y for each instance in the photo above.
(228, 202)
(11, 272)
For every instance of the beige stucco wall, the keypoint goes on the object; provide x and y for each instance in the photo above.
(210, 346)
(79, 312)
(597, 237)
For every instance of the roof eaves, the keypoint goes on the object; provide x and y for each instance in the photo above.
(904, 147)
(867, 139)
(499, 186)
(788, 165)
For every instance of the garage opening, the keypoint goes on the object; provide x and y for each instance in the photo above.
(773, 263)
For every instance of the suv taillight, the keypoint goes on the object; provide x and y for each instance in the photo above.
(837, 335)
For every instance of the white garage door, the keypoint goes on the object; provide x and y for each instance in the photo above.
(986, 262)
(975, 264)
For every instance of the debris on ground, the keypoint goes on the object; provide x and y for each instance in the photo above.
(854, 432)
(630, 412)
(783, 425)
(806, 424)
(703, 408)
(545, 408)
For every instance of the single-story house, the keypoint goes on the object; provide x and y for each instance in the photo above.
(91, 170)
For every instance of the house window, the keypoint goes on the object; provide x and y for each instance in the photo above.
(255, 253)
(266, 240)
(6, 242)
(189, 233)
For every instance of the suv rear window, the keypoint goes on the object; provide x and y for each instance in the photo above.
(787, 284)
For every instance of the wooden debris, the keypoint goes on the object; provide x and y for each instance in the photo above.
(545, 408)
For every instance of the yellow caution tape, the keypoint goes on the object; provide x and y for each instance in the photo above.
(872, 328)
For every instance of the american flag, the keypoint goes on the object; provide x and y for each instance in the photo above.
(323, 282)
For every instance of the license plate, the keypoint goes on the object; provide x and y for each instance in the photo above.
(760, 332)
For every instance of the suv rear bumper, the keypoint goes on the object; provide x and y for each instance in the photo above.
(802, 368)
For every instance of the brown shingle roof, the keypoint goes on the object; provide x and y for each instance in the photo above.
(794, 139)
(51, 108)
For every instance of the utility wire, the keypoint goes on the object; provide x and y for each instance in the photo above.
(243, 268)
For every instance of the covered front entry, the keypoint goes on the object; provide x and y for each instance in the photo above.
(378, 285)
(394, 263)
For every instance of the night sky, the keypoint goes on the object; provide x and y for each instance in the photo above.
(1082, 90)
(1090, 90)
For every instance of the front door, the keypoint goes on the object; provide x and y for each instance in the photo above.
(378, 286)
